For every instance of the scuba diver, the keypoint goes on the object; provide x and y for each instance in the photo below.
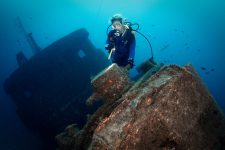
(121, 42)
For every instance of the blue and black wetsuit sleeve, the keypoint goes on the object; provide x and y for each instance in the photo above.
(109, 44)
(132, 48)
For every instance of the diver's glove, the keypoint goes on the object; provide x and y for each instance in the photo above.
(131, 62)
(109, 47)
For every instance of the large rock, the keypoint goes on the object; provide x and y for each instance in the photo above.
(171, 110)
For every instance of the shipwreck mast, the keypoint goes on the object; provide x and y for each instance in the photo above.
(29, 37)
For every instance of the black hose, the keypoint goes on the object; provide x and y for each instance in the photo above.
(150, 45)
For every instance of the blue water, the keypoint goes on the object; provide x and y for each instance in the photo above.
(181, 32)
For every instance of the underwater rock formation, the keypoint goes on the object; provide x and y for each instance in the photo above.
(171, 109)
(50, 89)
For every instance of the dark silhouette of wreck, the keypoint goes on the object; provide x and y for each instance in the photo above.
(50, 89)
(21, 58)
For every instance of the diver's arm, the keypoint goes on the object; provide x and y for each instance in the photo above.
(109, 42)
(132, 50)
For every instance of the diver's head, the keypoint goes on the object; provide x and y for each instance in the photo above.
(117, 17)
(117, 26)
(117, 22)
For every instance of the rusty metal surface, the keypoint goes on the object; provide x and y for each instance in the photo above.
(110, 84)
(170, 110)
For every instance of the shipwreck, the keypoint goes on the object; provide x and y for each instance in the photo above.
(168, 108)
(50, 88)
